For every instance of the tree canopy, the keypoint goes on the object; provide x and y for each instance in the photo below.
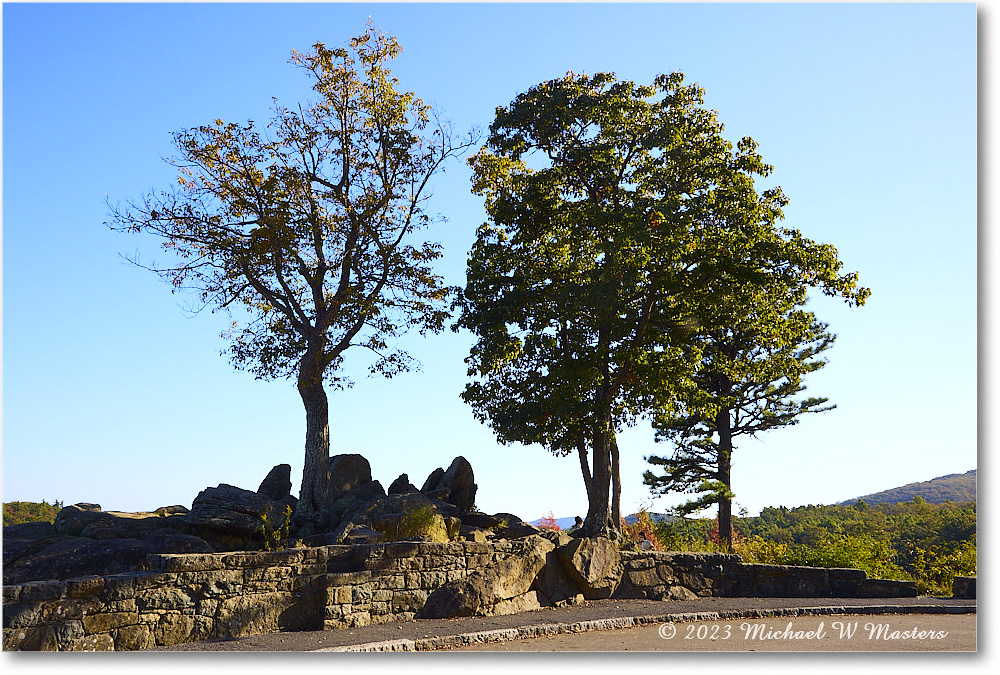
(621, 224)
(304, 228)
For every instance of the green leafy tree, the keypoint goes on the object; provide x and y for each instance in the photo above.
(745, 384)
(307, 226)
(613, 207)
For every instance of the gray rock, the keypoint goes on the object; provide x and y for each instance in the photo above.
(357, 504)
(360, 534)
(460, 481)
(470, 533)
(554, 584)
(482, 591)
(277, 484)
(433, 481)
(410, 516)
(231, 509)
(72, 519)
(78, 556)
(456, 485)
(401, 485)
(680, 593)
(348, 472)
(482, 520)
(28, 531)
(594, 565)
(512, 527)
(116, 525)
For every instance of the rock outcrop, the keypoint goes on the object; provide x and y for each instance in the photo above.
(228, 508)
(348, 472)
(70, 557)
(456, 485)
(277, 484)
(501, 588)
(401, 485)
(594, 565)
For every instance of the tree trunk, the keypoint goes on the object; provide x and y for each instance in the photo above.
(314, 495)
(616, 485)
(725, 467)
(581, 449)
(597, 523)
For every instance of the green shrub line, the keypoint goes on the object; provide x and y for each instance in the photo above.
(929, 544)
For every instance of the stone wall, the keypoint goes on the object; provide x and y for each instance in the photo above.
(191, 597)
(685, 576)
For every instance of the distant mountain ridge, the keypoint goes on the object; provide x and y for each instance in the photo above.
(955, 487)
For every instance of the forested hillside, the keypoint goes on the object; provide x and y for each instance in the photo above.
(956, 487)
(15, 513)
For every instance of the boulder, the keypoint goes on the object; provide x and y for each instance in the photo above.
(680, 593)
(231, 509)
(553, 584)
(433, 481)
(348, 472)
(356, 505)
(482, 591)
(72, 519)
(456, 485)
(483, 520)
(510, 526)
(121, 525)
(401, 486)
(461, 483)
(593, 564)
(277, 484)
(470, 533)
(409, 516)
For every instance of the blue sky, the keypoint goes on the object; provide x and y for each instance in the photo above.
(113, 394)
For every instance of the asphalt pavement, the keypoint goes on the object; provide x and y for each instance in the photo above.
(617, 615)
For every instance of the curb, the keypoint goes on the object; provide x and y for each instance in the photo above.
(539, 630)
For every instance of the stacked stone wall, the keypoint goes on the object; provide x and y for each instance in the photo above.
(200, 596)
(664, 575)
(191, 597)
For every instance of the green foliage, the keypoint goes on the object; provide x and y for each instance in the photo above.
(16, 513)
(623, 230)
(918, 541)
(276, 535)
(305, 227)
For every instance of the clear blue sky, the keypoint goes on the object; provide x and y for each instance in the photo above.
(112, 394)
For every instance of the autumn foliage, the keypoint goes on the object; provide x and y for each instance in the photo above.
(548, 522)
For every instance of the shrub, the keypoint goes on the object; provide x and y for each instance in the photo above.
(275, 535)
(642, 530)
(549, 523)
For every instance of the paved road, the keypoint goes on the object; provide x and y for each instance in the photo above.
(835, 633)
(429, 634)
